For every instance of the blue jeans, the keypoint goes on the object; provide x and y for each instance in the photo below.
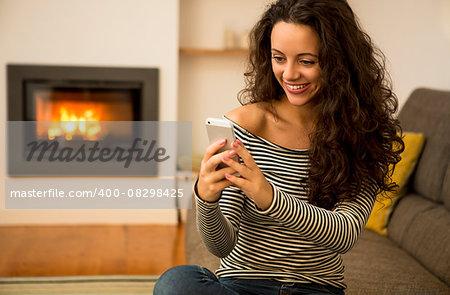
(197, 280)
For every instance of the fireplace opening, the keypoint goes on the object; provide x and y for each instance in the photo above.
(78, 111)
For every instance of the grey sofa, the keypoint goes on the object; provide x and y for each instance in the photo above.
(415, 257)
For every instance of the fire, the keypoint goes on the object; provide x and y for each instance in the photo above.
(71, 123)
(81, 115)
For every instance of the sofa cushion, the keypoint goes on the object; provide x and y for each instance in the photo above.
(382, 209)
(422, 228)
(377, 266)
(406, 210)
(428, 111)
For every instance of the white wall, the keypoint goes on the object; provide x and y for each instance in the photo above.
(133, 33)
(208, 85)
(413, 34)
(415, 37)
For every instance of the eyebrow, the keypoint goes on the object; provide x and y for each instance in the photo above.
(300, 54)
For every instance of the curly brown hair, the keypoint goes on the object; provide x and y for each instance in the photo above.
(357, 138)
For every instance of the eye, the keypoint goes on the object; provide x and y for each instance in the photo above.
(306, 62)
(277, 59)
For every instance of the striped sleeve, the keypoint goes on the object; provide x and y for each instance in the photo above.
(218, 225)
(337, 230)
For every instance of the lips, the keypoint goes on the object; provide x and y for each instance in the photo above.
(296, 88)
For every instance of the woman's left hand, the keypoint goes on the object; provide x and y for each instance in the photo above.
(251, 180)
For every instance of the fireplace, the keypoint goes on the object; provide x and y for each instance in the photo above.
(85, 121)
(76, 99)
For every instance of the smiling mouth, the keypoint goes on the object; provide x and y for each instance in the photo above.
(296, 86)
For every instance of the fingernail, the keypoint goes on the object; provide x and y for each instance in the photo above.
(225, 158)
(232, 153)
(223, 141)
(227, 175)
(236, 143)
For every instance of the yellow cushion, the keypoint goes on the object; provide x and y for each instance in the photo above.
(383, 206)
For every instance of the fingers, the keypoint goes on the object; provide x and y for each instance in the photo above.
(211, 181)
(218, 175)
(210, 191)
(211, 157)
(249, 166)
(209, 169)
(213, 148)
(235, 165)
(251, 180)
(237, 181)
(211, 164)
(242, 152)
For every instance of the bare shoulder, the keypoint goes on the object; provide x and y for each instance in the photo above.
(251, 117)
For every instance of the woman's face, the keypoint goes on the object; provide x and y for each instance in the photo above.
(295, 64)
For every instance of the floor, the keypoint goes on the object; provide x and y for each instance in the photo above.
(90, 250)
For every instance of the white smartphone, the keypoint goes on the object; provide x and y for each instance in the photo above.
(219, 129)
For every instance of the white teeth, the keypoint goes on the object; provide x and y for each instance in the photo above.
(295, 87)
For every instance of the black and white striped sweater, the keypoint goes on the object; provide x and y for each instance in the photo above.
(291, 241)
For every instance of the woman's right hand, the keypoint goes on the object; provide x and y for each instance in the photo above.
(212, 182)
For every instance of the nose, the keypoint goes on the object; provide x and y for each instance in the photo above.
(291, 72)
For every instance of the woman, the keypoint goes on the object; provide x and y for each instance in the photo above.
(316, 137)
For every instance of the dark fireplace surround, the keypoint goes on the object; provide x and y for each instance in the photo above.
(133, 91)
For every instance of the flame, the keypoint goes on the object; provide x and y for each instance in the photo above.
(70, 123)
(80, 114)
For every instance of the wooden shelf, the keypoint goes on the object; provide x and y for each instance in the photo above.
(218, 52)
